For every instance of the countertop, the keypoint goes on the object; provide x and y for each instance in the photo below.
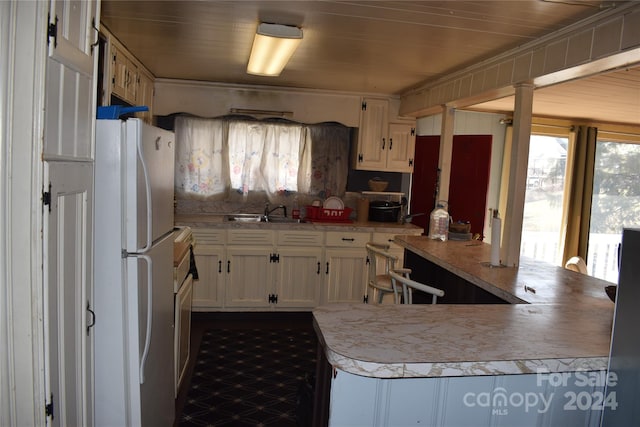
(564, 326)
(531, 282)
(220, 221)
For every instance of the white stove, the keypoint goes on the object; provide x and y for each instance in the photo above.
(183, 290)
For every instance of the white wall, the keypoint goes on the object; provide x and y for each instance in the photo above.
(475, 123)
(23, 52)
(208, 99)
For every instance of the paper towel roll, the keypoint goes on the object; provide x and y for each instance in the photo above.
(362, 210)
(495, 241)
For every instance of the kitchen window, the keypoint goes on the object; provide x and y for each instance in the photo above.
(615, 202)
(583, 187)
(218, 159)
(544, 205)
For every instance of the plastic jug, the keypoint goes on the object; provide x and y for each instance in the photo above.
(439, 222)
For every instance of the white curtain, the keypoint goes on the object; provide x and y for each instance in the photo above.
(202, 165)
(238, 159)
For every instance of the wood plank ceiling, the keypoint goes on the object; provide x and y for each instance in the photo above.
(383, 47)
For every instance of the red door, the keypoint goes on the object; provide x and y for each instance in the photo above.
(471, 160)
(425, 176)
(470, 164)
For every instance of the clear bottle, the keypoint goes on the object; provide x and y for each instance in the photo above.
(439, 222)
(295, 209)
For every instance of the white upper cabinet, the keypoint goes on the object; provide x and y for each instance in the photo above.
(402, 146)
(126, 78)
(372, 135)
(70, 98)
(383, 146)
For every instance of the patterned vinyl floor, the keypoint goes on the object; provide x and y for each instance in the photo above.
(250, 377)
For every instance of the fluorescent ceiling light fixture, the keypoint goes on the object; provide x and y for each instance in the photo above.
(272, 48)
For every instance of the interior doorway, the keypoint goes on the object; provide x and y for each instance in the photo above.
(468, 185)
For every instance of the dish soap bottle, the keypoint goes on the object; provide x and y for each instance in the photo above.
(295, 209)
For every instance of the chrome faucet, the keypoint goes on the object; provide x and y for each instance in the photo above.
(268, 212)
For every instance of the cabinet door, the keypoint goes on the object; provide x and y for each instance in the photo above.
(145, 95)
(345, 271)
(208, 290)
(70, 96)
(249, 276)
(131, 94)
(372, 135)
(119, 72)
(297, 281)
(124, 81)
(402, 145)
(67, 239)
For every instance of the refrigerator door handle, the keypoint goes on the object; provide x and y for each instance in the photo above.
(147, 339)
(147, 186)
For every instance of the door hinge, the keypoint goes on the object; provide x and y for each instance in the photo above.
(273, 298)
(410, 162)
(48, 408)
(274, 258)
(413, 131)
(53, 31)
(365, 299)
(364, 105)
(360, 159)
(46, 198)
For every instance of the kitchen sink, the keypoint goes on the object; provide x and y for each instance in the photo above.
(245, 217)
(262, 218)
(280, 219)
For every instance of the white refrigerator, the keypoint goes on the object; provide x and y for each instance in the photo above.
(134, 358)
(620, 400)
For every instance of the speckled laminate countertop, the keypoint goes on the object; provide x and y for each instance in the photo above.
(220, 221)
(564, 326)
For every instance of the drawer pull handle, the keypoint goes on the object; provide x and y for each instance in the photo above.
(219, 266)
(228, 266)
(345, 239)
(318, 272)
(327, 267)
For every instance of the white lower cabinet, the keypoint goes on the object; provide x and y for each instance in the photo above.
(209, 254)
(345, 267)
(250, 271)
(271, 269)
(299, 269)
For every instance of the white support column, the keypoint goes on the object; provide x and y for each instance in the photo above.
(523, 105)
(446, 150)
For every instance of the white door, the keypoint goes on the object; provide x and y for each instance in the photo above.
(70, 99)
(68, 231)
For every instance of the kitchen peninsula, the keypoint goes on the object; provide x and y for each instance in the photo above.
(540, 360)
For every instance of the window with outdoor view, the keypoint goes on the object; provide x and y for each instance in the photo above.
(544, 198)
(615, 204)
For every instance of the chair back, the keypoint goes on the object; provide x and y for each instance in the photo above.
(381, 262)
(407, 285)
(577, 264)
